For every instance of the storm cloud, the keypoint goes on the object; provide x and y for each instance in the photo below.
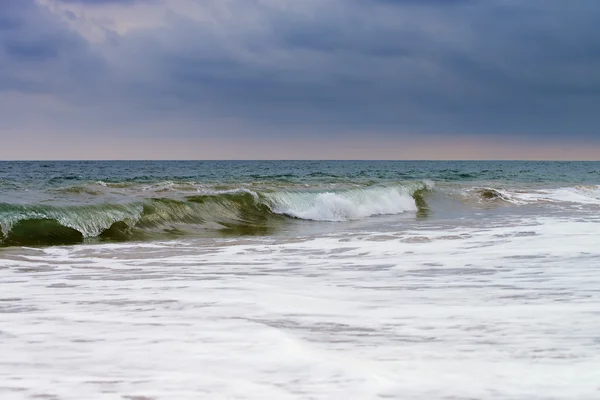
(278, 68)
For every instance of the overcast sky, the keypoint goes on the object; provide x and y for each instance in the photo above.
(299, 79)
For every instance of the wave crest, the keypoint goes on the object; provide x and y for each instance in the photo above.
(583, 195)
(347, 205)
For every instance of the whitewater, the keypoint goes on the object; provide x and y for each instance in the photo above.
(299, 280)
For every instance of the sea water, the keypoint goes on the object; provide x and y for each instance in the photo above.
(299, 280)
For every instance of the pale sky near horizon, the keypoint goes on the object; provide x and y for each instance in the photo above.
(310, 79)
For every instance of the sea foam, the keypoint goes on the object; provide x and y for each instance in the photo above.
(347, 205)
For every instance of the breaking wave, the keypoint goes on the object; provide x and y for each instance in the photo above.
(579, 195)
(348, 205)
(240, 211)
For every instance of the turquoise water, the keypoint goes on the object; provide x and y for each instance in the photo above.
(57, 202)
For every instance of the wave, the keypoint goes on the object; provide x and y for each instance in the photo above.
(249, 210)
(37, 224)
(488, 194)
(574, 195)
(566, 195)
(348, 205)
(240, 211)
(79, 190)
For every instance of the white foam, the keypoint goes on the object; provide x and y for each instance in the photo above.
(346, 205)
(501, 309)
(574, 195)
(212, 192)
(159, 186)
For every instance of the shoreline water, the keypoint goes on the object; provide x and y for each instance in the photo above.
(478, 288)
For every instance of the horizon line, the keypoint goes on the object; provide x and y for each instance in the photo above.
(303, 159)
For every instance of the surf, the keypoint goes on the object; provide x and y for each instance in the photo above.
(349, 204)
(239, 210)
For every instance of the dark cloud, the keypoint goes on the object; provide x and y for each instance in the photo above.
(99, 2)
(421, 2)
(502, 68)
(7, 23)
(41, 54)
(33, 51)
(453, 66)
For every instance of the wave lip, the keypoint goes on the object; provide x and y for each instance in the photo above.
(349, 204)
(37, 224)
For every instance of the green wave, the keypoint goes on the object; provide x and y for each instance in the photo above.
(236, 212)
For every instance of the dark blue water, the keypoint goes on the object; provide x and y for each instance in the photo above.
(41, 174)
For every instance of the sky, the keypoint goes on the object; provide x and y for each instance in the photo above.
(299, 79)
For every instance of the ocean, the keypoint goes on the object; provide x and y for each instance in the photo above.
(147, 280)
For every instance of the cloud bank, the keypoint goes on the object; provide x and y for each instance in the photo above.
(390, 70)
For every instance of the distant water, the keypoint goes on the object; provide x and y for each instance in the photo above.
(300, 280)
